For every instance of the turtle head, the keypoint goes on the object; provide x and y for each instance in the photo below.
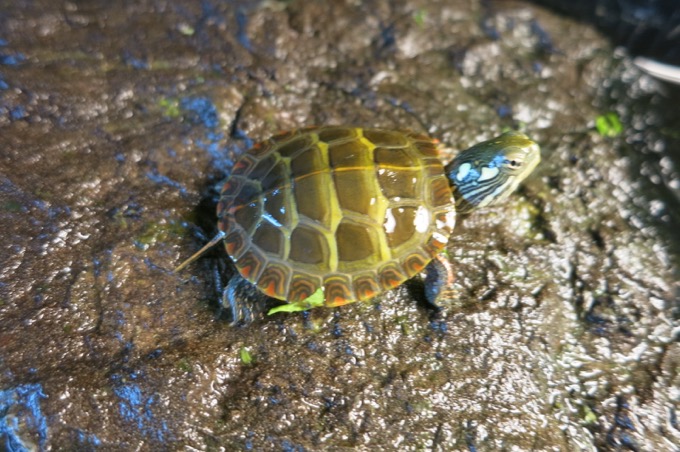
(488, 172)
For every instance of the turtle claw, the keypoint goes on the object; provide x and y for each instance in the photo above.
(238, 299)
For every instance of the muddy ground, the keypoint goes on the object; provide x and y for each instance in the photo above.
(118, 122)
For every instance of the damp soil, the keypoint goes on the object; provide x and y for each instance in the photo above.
(117, 123)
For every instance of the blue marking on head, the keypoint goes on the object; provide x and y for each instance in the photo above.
(497, 161)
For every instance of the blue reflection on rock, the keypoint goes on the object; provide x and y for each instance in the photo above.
(21, 417)
(136, 408)
(201, 110)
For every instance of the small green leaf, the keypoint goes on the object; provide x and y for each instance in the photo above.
(186, 29)
(419, 17)
(12, 206)
(184, 365)
(246, 357)
(589, 416)
(314, 300)
(608, 125)
(170, 107)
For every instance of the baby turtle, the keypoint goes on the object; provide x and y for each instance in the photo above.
(325, 216)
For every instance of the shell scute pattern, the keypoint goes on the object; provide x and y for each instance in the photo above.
(236, 242)
(251, 263)
(366, 286)
(439, 191)
(391, 275)
(278, 207)
(336, 134)
(386, 138)
(338, 290)
(295, 146)
(275, 279)
(303, 285)
(361, 181)
(416, 262)
(353, 211)
(270, 239)
(244, 164)
(309, 246)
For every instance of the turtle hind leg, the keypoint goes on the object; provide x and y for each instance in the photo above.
(242, 300)
(439, 279)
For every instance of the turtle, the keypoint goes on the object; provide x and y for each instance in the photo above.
(330, 215)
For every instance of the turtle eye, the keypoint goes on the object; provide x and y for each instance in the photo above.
(513, 163)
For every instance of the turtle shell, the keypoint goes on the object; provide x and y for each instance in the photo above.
(352, 211)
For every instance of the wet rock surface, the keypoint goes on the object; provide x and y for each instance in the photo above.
(644, 27)
(116, 123)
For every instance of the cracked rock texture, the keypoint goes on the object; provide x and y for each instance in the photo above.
(116, 124)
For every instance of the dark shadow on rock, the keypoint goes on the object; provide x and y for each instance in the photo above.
(645, 27)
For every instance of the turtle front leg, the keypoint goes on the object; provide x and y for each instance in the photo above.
(439, 279)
